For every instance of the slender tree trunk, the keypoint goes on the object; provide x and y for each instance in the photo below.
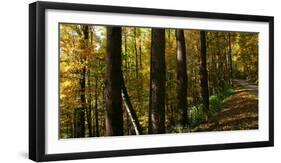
(114, 114)
(136, 53)
(83, 101)
(182, 78)
(225, 61)
(79, 122)
(80, 112)
(68, 125)
(96, 109)
(169, 35)
(103, 118)
(71, 125)
(140, 92)
(137, 66)
(74, 119)
(75, 123)
(125, 48)
(230, 58)
(214, 75)
(127, 123)
(157, 82)
(140, 51)
(89, 108)
(219, 69)
(167, 109)
(203, 73)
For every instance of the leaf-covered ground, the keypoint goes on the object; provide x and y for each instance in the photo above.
(240, 110)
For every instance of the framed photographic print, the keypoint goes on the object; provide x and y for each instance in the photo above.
(118, 81)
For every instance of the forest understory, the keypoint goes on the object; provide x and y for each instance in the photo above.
(239, 112)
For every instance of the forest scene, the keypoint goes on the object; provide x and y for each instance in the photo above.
(119, 81)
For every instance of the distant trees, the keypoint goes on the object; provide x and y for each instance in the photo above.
(246, 65)
(131, 81)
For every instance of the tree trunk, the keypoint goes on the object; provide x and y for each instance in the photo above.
(169, 35)
(71, 125)
(96, 109)
(89, 108)
(79, 123)
(157, 82)
(230, 58)
(136, 52)
(127, 124)
(219, 63)
(140, 51)
(114, 114)
(129, 108)
(80, 113)
(80, 118)
(182, 78)
(203, 73)
(225, 60)
(213, 70)
(125, 48)
(137, 67)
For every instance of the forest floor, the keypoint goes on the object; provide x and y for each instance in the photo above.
(239, 112)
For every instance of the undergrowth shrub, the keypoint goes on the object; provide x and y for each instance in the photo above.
(196, 113)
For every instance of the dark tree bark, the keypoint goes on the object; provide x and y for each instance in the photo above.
(73, 125)
(203, 73)
(79, 123)
(182, 79)
(89, 108)
(96, 109)
(114, 114)
(103, 110)
(129, 108)
(157, 82)
(140, 52)
(169, 35)
(127, 124)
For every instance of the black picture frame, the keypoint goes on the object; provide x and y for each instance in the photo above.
(37, 80)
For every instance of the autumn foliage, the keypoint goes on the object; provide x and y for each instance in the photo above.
(132, 80)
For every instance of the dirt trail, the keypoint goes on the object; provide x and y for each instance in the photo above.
(240, 110)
